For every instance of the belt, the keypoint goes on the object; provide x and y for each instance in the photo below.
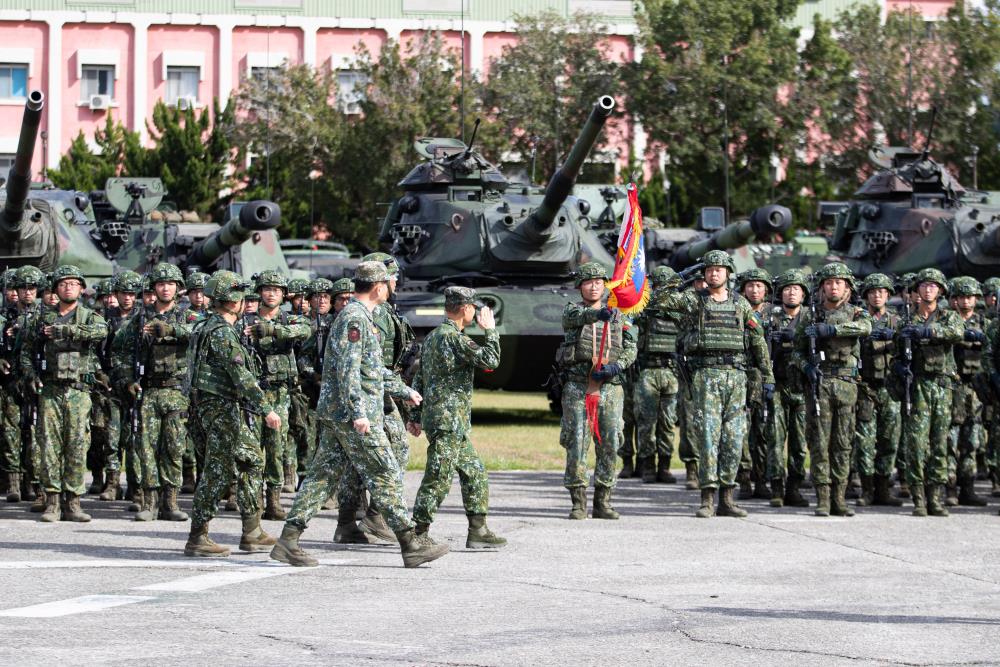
(839, 371)
(660, 361)
(164, 383)
(72, 384)
(735, 361)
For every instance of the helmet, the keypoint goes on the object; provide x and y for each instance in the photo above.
(876, 281)
(751, 275)
(128, 282)
(10, 278)
(908, 281)
(719, 258)
(297, 286)
(965, 286)
(992, 285)
(933, 276)
(147, 286)
(270, 278)
(791, 277)
(319, 286)
(164, 273)
(835, 270)
(65, 272)
(664, 276)
(29, 276)
(226, 286)
(196, 280)
(589, 271)
(390, 262)
(104, 287)
(341, 286)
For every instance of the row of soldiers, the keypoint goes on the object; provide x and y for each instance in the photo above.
(752, 373)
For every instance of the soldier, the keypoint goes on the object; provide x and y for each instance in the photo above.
(586, 371)
(658, 384)
(351, 412)
(64, 339)
(787, 430)
(722, 339)
(298, 304)
(755, 285)
(148, 295)
(828, 350)
(275, 335)
(447, 362)
(300, 422)
(150, 361)
(29, 281)
(627, 450)
(104, 410)
(311, 359)
(225, 397)
(991, 289)
(127, 287)
(877, 415)
(10, 434)
(928, 336)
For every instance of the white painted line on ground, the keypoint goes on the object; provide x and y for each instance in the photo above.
(186, 564)
(204, 582)
(80, 605)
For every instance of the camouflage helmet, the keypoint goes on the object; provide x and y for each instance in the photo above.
(29, 276)
(931, 275)
(341, 286)
(750, 275)
(391, 266)
(991, 286)
(65, 272)
(319, 286)
(965, 286)
(876, 281)
(664, 276)
(297, 286)
(104, 287)
(196, 280)
(147, 285)
(165, 273)
(270, 278)
(719, 258)
(909, 281)
(226, 286)
(10, 278)
(791, 277)
(128, 282)
(589, 271)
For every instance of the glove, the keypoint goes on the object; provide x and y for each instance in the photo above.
(821, 330)
(102, 380)
(62, 331)
(159, 329)
(605, 314)
(263, 329)
(33, 385)
(607, 372)
(781, 336)
(813, 373)
(975, 336)
(4, 367)
(915, 331)
(768, 388)
(902, 371)
(883, 333)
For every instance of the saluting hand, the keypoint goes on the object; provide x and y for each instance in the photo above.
(485, 319)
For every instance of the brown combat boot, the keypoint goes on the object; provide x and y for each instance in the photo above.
(822, 500)
(691, 475)
(967, 493)
(950, 496)
(289, 474)
(97, 483)
(374, 525)
(794, 497)
(51, 513)
(254, 538)
(287, 549)
(200, 546)
(853, 490)
(883, 496)
(347, 528)
(480, 536)
(867, 491)
(919, 502)
(663, 474)
(602, 504)
(14, 489)
(111, 486)
(746, 488)
(41, 500)
(707, 509)
(137, 500)
(578, 495)
(72, 511)
(904, 488)
(417, 550)
(934, 505)
(760, 490)
(838, 500)
(647, 466)
(728, 506)
(274, 511)
(777, 492)
(628, 468)
(150, 501)
(169, 511)
(188, 481)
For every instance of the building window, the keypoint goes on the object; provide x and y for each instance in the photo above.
(97, 80)
(13, 81)
(350, 90)
(6, 162)
(182, 84)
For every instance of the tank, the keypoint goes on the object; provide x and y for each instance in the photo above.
(912, 213)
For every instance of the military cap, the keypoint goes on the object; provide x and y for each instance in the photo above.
(965, 286)
(931, 275)
(835, 270)
(270, 278)
(319, 286)
(664, 276)
(750, 275)
(792, 277)
(388, 260)
(164, 273)
(876, 281)
(226, 286)
(128, 282)
(297, 286)
(719, 258)
(371, 272)
(589, 271)
(455, 296)
(29, 276)
(341, 286)
(65, 272)
(196, 280)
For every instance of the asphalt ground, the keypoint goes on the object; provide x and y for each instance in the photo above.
(657, 587)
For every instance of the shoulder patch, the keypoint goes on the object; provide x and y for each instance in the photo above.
(354, 334)
(471, 344)
(752, 323)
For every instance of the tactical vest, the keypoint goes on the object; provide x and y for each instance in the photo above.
(395, 343)
(278, 359)
(969, 354)
(206, 372)
(581, 346)
(876, 355)
(933, 357)
(838, 351)
(166, 359)
(781, 352)
(67, 361)
(720, 328)
(659, 334)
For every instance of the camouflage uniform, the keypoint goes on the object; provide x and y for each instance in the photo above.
(753, 465)
(301, 424)
(991, 289)
(195, 280)
(127, 446)
(102, 427)
(10, 397)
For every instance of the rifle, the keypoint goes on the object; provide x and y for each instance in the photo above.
(29, 410)
(815, 357)
(138, 374)
(770, 359)
(908, 361)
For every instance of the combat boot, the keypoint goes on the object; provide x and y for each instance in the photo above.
(41, 501)
(728, 506)
(199, 545)
(904, 488)
(853, 487)
(647, 465)
(995, 484)
(4, 483)
(418, 550)
(347, 528)
(746, 488)
(867, 498)
(578, 494)
(287, 549)
(707, 509)
(934, 505)
(663, 474)
(150, 500)
(919, 502)
(691, 476)
(137, 500)
(883, 496)
(273, 511)
(230, 499)
(111, 486)
(793, 496)
(760, 490)
(967, 494)
(14, 490)
(374, 525)
(602, 503)
(169, 511)
(777, 492)
(29, 491)
(97, 484)
(950, 496)
(254, 538)
(51, 513)
(187, 479)
(838, 500)
(289, 485)
(480, 536)
(628, 468)
(73, 511)
(822, 500)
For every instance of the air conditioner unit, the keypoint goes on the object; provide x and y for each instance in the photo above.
(99, 102)
(185, 103)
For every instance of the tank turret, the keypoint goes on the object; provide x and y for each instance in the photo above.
(764, 222)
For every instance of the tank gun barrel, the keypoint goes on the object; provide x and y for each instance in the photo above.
(561, 183)
(764, 222)
(255, 216)
(19, 178)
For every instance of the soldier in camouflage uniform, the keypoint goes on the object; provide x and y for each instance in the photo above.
(835, 330)
(10, 396)
(310, 360)
(128, 288)
(586, 372)
(195, 307)
(103, 411)
(275, 335)
(931, 333)
(755, 286)
(991, 289)
(150, 361)
(787, 429)
(656, 390)
(907, 290)
(447, 362)
(628, 449)
(300, 425)
(196, 303)
(29, 281)
(225, 397)
(65, 338)
(350, 411)
(878, 421)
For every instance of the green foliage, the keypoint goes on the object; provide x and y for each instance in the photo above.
(83, 169)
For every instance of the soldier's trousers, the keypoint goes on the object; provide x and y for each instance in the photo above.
(232, 442)
(925, 431)
(105, 430)
(64, 435)
(966, 437)
(629, 444)
(755, 453)
(341, 447)
(685, 427)
(575, 435)
(655, 410)
(831, 434)
(786, 436)
(10, 431)
(275, 441)
(129, 444)
(451, 451)
(163, 438)
(352, 485)
(719, 423)
(877, 431)
(299, 428)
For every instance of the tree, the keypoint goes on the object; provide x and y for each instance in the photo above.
(81, 168)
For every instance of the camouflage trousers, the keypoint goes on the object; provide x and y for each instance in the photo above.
(352, 485)
(966, 436)
(719, 423)
(301, 430)
(63, 436)
(876, 431)
(685, 427)
(630, 426)
(232, 442)
(10, 431)
(786, 453)
(925, 431)
(163, 437)
(128, 444)
(754, 456)
(831, 434)
(275, 441)
(339, 449)
(104, 431)
(451, 451)
(655, 410)
(575, 435)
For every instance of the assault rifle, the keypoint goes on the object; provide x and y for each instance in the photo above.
(138, 373)
(815, 358)
(907, 361)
